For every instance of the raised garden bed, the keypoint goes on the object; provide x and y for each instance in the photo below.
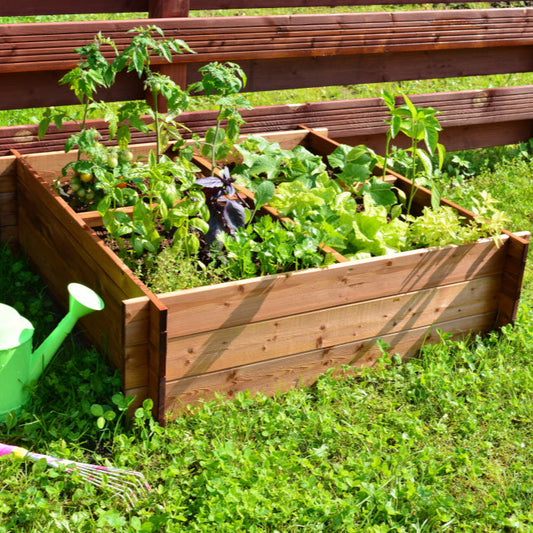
(268, 333)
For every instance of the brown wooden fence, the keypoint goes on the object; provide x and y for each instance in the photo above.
(288, 52)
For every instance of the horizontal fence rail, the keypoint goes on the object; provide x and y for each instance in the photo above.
(362, 121)
(289, 52)
(12, 8)
(49, 46)
(281, 52)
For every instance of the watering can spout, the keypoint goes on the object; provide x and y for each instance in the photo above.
(82, 301)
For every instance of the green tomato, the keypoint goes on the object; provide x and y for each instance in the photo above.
(75, 183)
(112, 161)
(125, 156)
(81, 192)
(156, 88)
(89, 195)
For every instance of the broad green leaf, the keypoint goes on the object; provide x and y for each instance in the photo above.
(264, 193)
(426, 161)
(199, 224)
(410, 106)
(388, 98)
(380, 192)
(431, 138)
(395, 126)
(43, 128)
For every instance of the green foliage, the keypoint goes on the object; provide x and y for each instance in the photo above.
(438, 443)
(307, 194)
(224, 81)
(173, 270)
(417, 124)
(270, 247)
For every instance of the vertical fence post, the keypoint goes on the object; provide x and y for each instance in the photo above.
(170, 9)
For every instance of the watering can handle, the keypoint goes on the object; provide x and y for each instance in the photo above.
(6, 449)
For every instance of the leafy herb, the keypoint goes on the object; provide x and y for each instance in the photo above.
(224, 80)
(418, 124)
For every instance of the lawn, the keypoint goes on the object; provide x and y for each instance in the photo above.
(441, 443)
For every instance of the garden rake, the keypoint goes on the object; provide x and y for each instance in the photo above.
(127, 484)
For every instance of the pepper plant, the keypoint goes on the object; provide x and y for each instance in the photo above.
(418, 124)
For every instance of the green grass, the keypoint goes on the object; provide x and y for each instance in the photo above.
(441, 443)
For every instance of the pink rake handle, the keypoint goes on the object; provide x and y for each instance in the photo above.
(6, 449)
(125, 483)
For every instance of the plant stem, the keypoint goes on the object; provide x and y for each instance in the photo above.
(84, 119)
(413, 174)
(213, 148)
(387, 147)
(157, 126)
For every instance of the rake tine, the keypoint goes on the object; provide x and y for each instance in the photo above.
(128, 485)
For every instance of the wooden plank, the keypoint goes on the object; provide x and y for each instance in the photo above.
(8, 199)
(236, 303)
(57, 271)
(9, 235)
(279, 375)
(15, 8)
(19, 8)
(137, 364)
(168, 8)
(136, 320)
(55, 241)
(472, 118)
(517, 251)
(22, 85)
(260, 341)
(49, 46)
(8, 209)
(243, 4)
(157, 357)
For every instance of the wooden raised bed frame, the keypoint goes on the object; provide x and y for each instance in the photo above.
(264, 334)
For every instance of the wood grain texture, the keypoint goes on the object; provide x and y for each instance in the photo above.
(279, 375)
(65, 250)
(282, 52)
(469, 119)
(49, 46)
(237, 303)
(8, 199)
(260, 341)
(11, 8)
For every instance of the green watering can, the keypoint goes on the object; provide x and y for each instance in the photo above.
(18, 365)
